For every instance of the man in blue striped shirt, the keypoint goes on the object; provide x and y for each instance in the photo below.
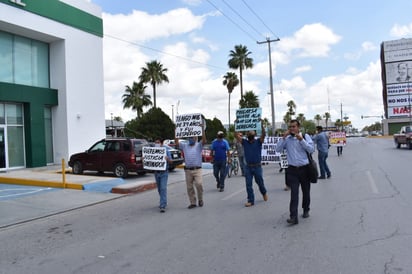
(297, 146)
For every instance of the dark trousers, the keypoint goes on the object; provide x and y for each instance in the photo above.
(296, 177)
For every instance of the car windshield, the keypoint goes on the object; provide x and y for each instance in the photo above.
(408, 129)
(98, 147)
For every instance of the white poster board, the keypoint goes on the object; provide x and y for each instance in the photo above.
(188, 125)
(154, 158)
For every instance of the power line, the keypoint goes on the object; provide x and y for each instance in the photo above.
(233, 22)
(163, 52)
(241, 17)
(260, 19)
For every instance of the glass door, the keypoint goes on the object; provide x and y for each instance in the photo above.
(2, 149)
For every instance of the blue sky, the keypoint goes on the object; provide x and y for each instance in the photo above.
(328, 53)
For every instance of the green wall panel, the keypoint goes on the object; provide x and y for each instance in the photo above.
(63, 13)
(34, 100)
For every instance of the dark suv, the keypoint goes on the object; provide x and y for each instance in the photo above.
(117, 155)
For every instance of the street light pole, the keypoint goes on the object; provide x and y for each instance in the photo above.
(272, 100)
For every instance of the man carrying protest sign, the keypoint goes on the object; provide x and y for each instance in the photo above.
(221, 155)
(193, 166)
(253, 168)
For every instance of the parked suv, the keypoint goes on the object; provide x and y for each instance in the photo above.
(118, 155)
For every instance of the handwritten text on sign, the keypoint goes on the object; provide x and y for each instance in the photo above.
(269, 154)
(188, 125)
(154, 158)
(248, 119)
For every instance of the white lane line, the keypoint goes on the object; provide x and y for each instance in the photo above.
(372, 182)
(28, 191)
(233, 194)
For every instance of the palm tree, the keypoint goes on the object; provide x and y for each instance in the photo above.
(250, 100)
(327, 117)
(301, 118)
(239, 59)
(154, 73)
(136, 98)
(317, 118)
(230, 81)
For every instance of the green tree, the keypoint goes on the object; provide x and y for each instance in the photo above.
(309, 127)
(318, 118)
(239, 59)
(212, 127)
(291, 111)
(327, 117)
(250, 100)
(154, 73)
(136, 98)
(230, 81)
(154, 123)
(301, 118)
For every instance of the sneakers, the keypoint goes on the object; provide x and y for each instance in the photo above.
(249, 204)
(265, 197)
(286, 188)
(305, 214)
(221, 189)
(200, 203)
(328, 175)
(162, 210)
(191, 206)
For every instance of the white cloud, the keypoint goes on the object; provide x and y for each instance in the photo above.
(401, 31)
(302, 69)
(313, 40)
(136, 27)
(369, 46)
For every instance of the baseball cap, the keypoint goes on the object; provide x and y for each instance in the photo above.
(220, 132)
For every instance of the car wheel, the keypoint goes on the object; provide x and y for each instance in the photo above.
(410, 145)
(141, 173)
(398, 145)
(77, 168)
(120, 170)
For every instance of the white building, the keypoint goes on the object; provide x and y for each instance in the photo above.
(51, 80)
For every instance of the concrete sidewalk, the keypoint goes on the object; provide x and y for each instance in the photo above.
(30, 194)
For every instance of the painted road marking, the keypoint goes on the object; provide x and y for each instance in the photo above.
(233, 194)
(14, 191)
(372, 182)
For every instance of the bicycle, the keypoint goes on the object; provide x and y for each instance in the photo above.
(233, 166)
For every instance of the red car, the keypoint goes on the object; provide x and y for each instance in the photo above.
(207, 154)
(117, 155)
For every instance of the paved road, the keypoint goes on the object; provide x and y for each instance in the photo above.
(359, 223)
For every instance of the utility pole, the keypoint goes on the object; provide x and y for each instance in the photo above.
(272, 100)
(341, 117)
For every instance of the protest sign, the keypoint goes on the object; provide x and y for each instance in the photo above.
(188, 125)
(337, 138)
(154, 158)
(248, 119)
(269, 154)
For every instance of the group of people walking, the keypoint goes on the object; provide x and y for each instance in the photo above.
(296, 144)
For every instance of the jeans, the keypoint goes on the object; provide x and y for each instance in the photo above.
(296, 177)
(323, 166)
(250, 172)
(161, 182)
(242, 164)
(219, 171)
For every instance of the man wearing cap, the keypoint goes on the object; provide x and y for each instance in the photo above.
(220, 152)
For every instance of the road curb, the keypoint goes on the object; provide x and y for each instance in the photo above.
(134, 187)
